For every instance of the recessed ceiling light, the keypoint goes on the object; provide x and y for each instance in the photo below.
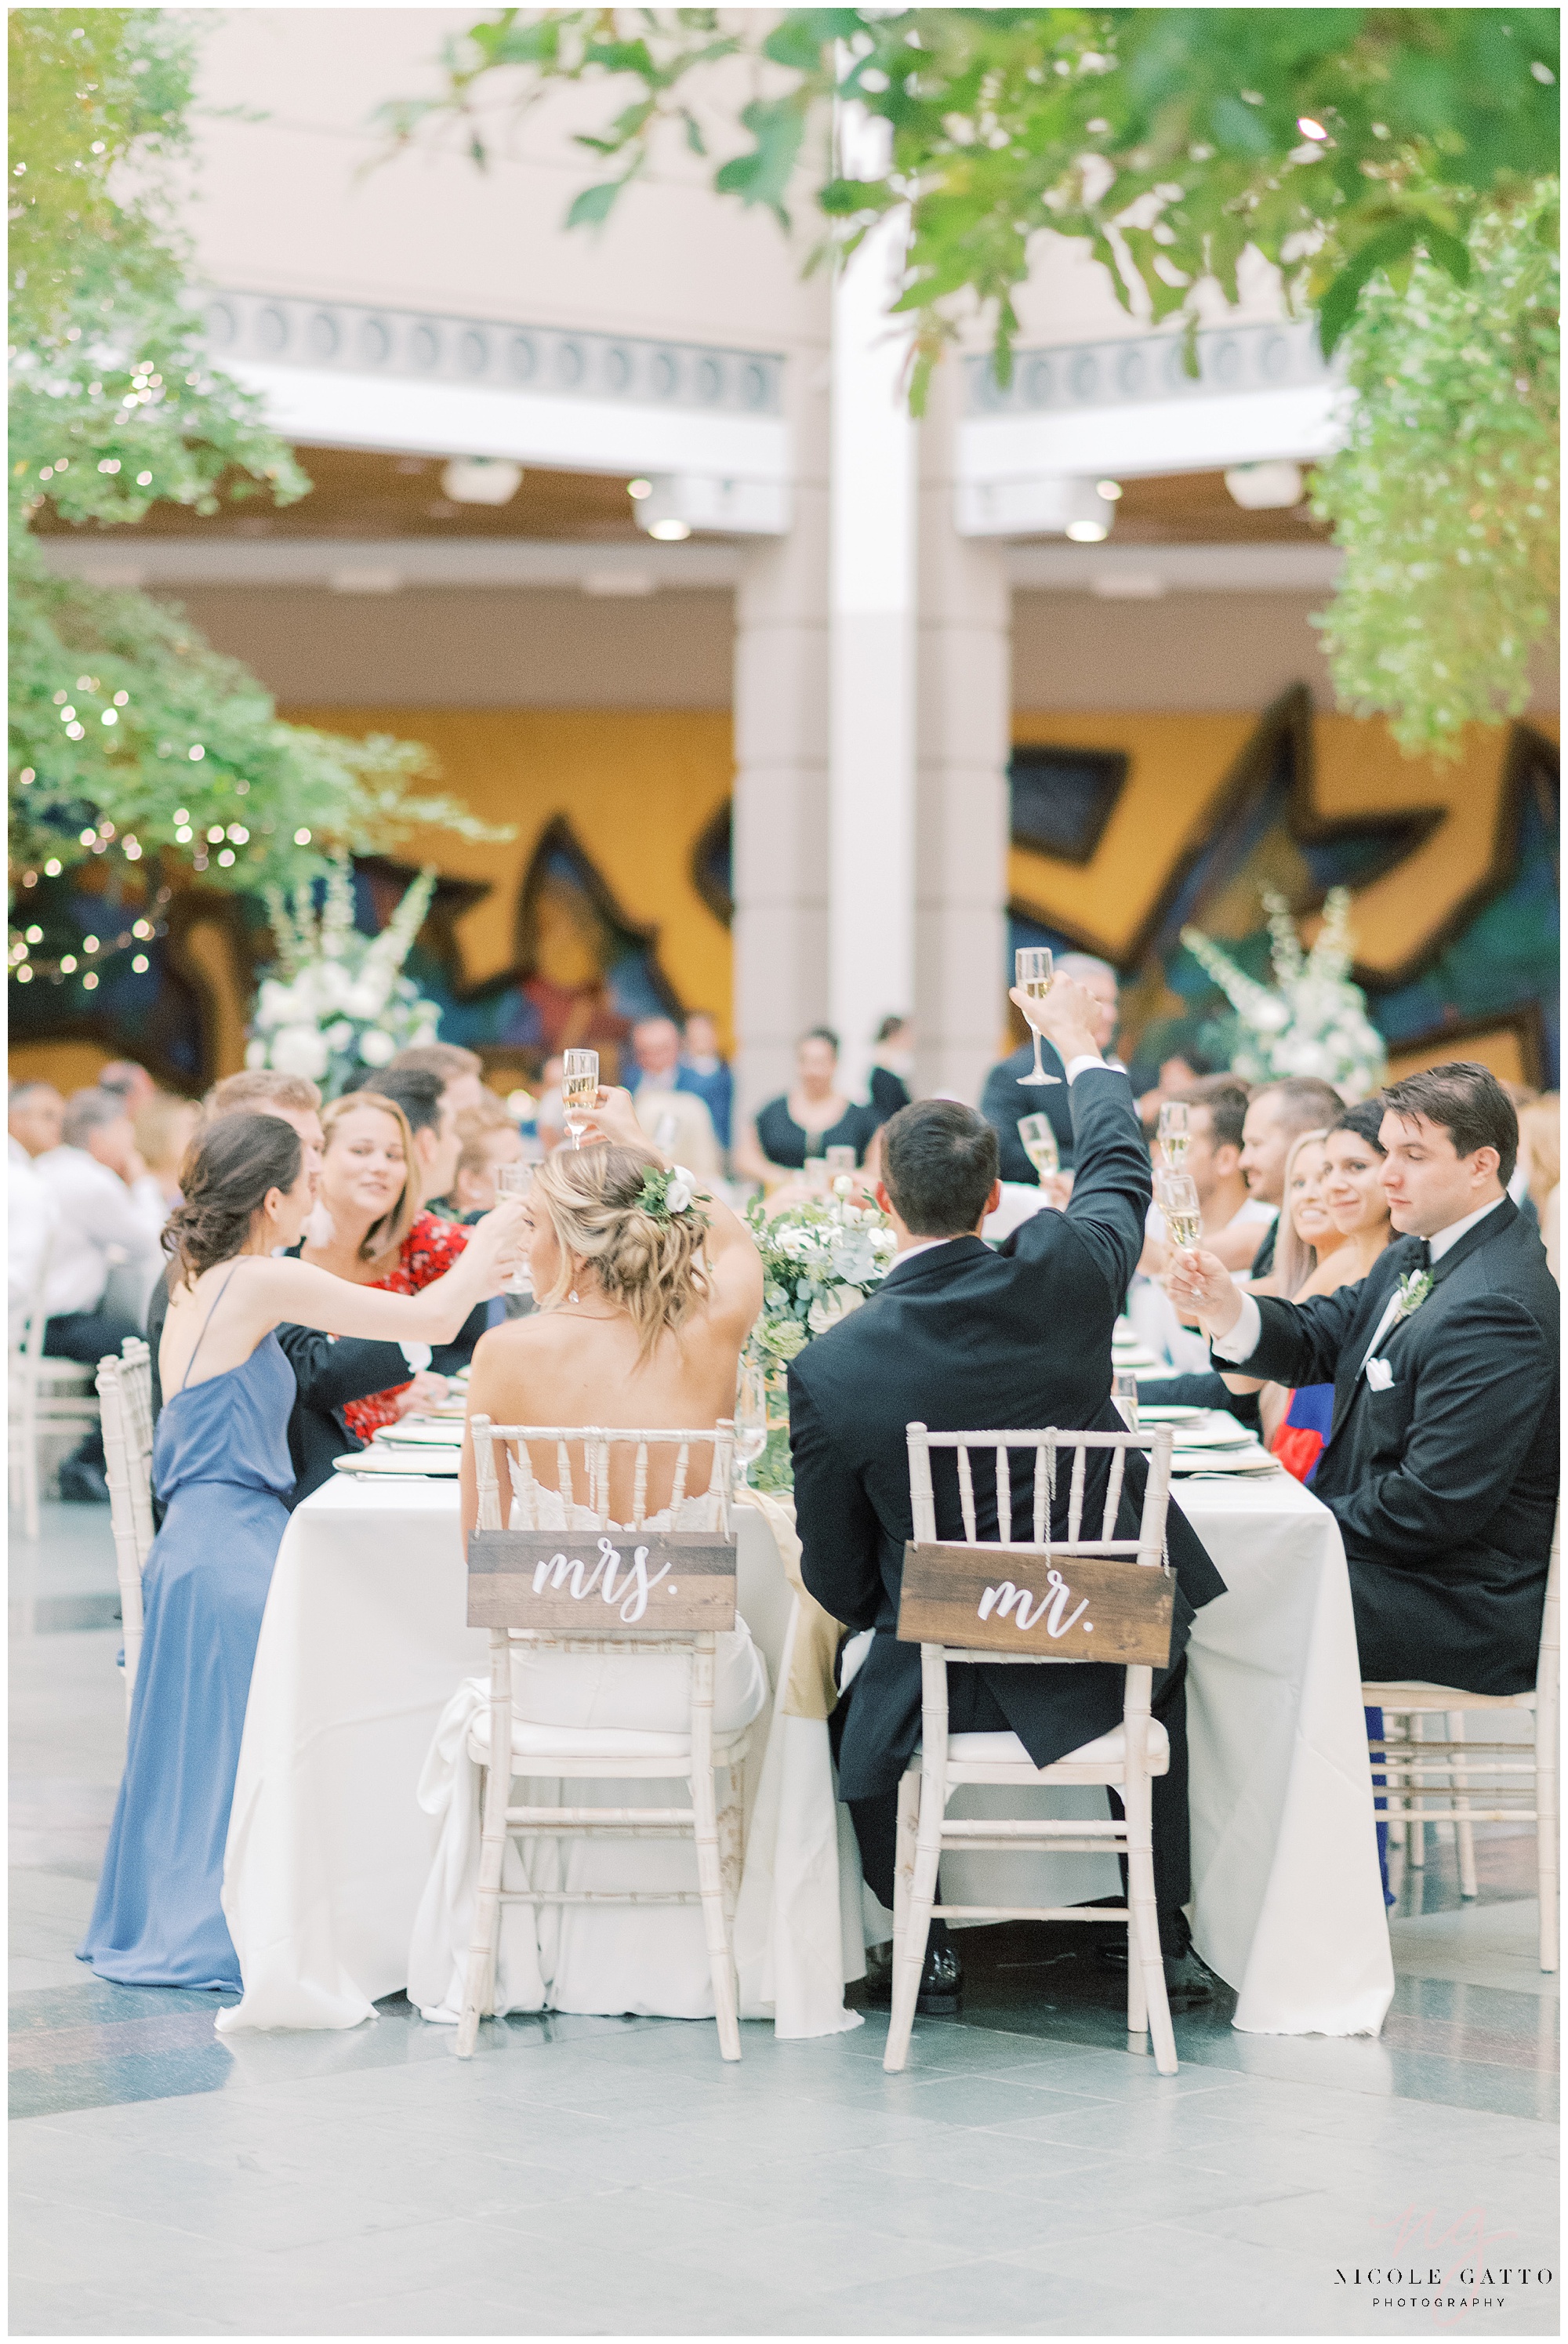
(673, 530)
(1088, 532)
(1265, 488)
(1109, 489)
(639, 488)
(482, 479)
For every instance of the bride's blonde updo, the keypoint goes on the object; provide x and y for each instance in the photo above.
(648, 1261)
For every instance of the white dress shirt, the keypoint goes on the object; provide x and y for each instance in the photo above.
(1245, 1336)
(29, 1220)
(100, 1224)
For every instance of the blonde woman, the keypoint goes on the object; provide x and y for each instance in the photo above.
(1350, 1194)
(371, 1228)
(647, 1286)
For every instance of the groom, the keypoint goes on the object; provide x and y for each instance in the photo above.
(961, 1337)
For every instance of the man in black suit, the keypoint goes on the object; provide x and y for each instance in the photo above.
(1442, 1465)
(328, 1372)
(961, 1337)
(1004, 1100)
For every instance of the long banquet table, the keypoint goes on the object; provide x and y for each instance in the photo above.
(365, 1640)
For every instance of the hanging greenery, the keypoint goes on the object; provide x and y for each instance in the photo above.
(131, 739)
(1387, 162)
(1446, 497)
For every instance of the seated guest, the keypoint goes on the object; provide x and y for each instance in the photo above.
(1216, 1114)
(1004, 1098)
(1541, 1154)
(104, 1254)
(460, 1071)
(1441, 1468)
(1277, 1116)
(330, 1370)
(34, 1121)
(705, 1073)
(806, 1120)
(893, 1065)
(164, 1127)
(129, 1082)
(488, 1138)
(668, 1112)
(959, 1337)
(371, 1225)
(550, 1113)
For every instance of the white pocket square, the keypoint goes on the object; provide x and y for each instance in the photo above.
(1379, 1375)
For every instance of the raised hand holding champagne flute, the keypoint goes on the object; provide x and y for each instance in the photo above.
(578, 1090)
(1032, 967)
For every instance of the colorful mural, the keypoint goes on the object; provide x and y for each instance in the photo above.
(1452, 870)
(613, 898)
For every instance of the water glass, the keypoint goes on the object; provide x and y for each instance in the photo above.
(751, 1419)
(1124, 1393)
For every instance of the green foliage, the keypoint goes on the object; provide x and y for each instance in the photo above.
(129, 736)
(1169, 139)
(1446, 498)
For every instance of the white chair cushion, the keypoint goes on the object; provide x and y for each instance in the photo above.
(1109, 1749)
(531, 1741)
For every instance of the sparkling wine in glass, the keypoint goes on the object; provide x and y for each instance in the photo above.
(578, 1090)
(1039, 1143)
(1124, 1393)
(1176, 1193)
(840, 1162)
(515, 1180)
(751, 1419)
(1174, 1134)
(1032, 974)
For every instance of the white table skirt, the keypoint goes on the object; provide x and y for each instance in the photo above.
(363, 1644)
(364, 1641)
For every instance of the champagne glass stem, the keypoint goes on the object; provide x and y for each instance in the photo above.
(1039, 1070)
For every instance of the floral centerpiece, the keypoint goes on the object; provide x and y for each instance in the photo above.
(821, 1258)
(337, 1001)
(1312, 1020)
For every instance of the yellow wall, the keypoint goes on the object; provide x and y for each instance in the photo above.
(638, 786)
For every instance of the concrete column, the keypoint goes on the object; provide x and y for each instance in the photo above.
(781, 692)
(871, 854)
(964, 736)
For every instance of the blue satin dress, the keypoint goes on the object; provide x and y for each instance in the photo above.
(220, 1464)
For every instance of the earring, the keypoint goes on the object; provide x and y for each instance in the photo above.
(572, 1296)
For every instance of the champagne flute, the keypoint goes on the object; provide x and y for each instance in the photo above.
(1039, 1143)
(813, 1172)
(1176, 1193)
(1124, 1396)
(1174, 1133)
(1032, 974)
(751, 1419)
(840, 1162)
(515, 1180)
(578, 1090)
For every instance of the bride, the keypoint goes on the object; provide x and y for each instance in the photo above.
(647, 1288)
(222, 1464)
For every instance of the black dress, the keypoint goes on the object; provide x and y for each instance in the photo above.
(783, 1141)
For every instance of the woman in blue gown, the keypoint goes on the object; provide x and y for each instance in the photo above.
(220, 1465)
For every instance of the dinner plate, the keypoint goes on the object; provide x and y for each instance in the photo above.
(418, 1432)
(1218, 1430)
(1167, 1412)
(1189, 1461)
(412, 1464)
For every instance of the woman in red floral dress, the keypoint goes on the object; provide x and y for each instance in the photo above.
(381, 1235)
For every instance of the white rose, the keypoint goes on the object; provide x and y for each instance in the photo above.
(340, 1034)
(256, 1053)
(376, 1047)
(366, 999)
(682, 1187)
(300, 1050)
(275, 1003)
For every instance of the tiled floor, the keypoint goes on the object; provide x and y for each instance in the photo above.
(1027, 2175)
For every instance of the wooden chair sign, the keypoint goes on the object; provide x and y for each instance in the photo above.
(1063, 1599)
(593, 1582)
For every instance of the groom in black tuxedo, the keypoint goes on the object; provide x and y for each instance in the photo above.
(1442, 1465)
(961, 1337)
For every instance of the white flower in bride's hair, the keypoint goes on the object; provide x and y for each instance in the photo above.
(681, 1190)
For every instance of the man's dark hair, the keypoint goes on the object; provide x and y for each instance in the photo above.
(1469, 1103)
(821, 1034)
(1226, 1097)
(418, 1093)
(939, 1164)
(1365, 1119)
(1305, 1103)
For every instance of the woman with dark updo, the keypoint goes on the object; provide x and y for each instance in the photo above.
(222, 1468)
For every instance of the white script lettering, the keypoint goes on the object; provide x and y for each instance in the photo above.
(631, 1592)
(1051, 1606)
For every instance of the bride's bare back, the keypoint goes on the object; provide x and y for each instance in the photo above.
(585, 1362)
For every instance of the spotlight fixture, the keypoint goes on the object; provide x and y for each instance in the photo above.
(670, 529)
(639, 488)
(1109, 489)
(1265, 488)
(482, 479)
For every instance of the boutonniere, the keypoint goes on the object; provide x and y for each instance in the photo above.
(1413, 1291)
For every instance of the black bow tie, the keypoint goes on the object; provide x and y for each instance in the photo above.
(1423, 1256)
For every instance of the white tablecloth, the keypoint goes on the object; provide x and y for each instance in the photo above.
(363, 1643)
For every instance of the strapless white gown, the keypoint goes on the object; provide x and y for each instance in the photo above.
(648, 1960)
